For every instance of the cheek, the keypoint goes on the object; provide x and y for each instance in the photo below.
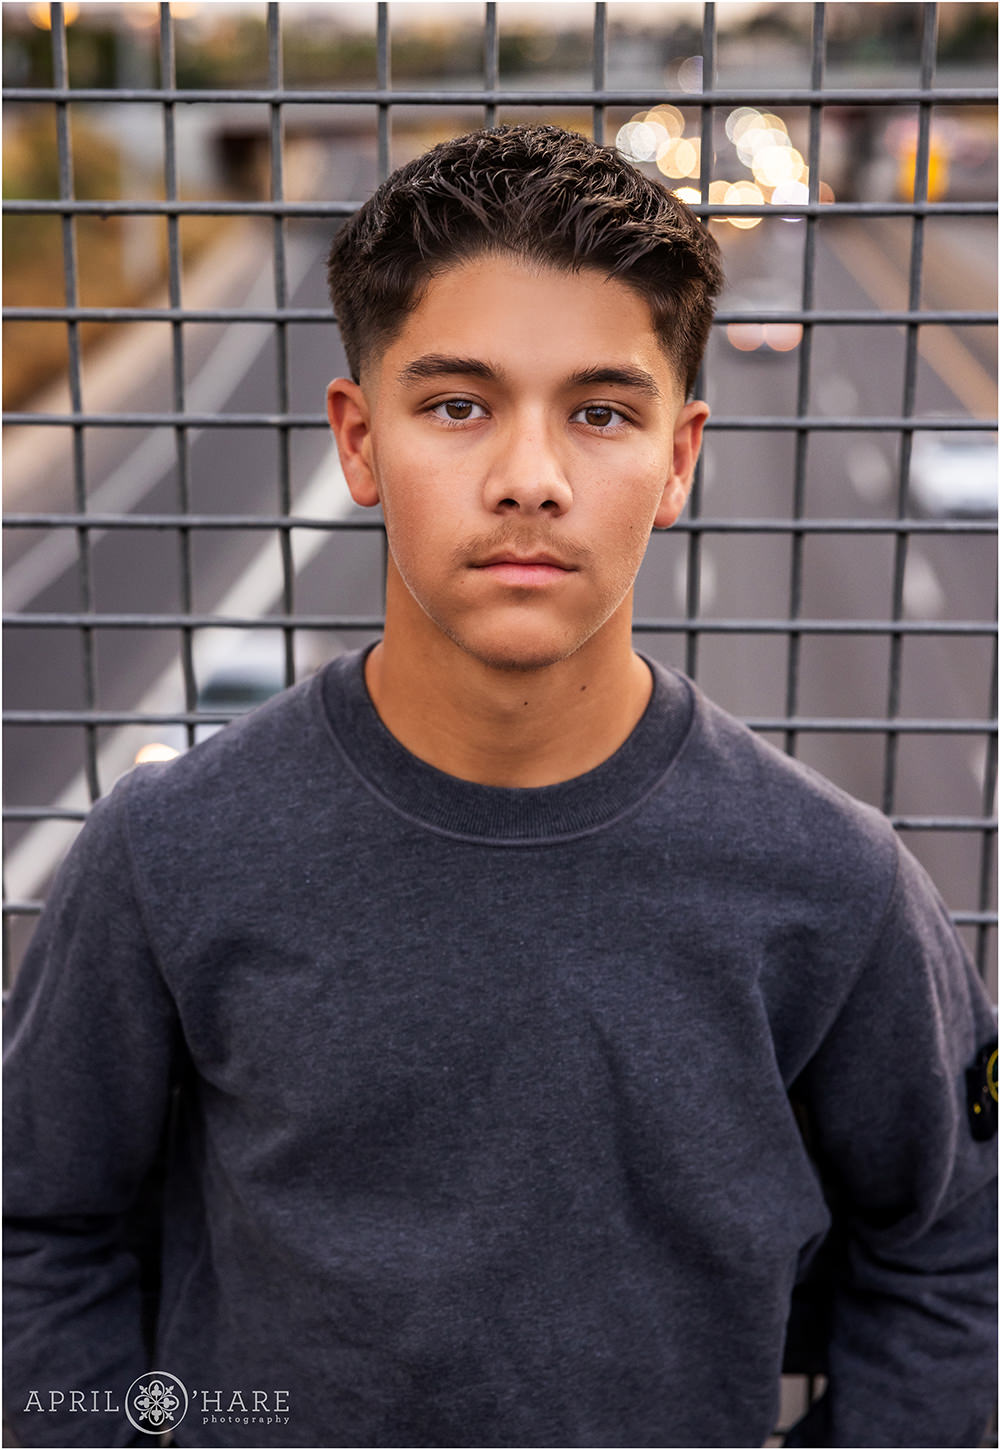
(413, 480)
(626, 523)
(628, 503)
(419, 518)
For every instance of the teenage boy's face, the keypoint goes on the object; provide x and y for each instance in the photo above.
(523, 433)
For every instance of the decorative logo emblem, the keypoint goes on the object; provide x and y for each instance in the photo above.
(981, 1091)
(156, 1402)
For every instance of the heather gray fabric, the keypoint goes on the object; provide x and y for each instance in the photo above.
(485, 1135)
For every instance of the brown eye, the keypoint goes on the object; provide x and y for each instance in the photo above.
(458, 410)
(601, 416)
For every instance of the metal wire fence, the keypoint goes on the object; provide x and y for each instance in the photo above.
(887, 685)
(815, 586)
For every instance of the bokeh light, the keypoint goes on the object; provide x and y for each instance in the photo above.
(667, 116)
(774, 165)
(753, 130)
(737, 118)
(638, 142)
(41, 15)
(690, 73)
(679, 157)
(150, 754)
(762, 142)
(790, 193)
(743, 193)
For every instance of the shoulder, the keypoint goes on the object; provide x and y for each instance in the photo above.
(818, 886)
(235, 786)
(212, 836)
(767, 817)
(743, 775)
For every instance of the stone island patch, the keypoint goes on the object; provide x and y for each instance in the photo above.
(981, 1091)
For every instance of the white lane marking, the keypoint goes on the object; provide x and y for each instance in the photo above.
(976, 761)
(939, 348)
(869, 471)
(257, 590)
(923, 593)
(708, 577)
(223, 370)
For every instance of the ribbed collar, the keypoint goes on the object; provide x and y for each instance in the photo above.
(499, 815)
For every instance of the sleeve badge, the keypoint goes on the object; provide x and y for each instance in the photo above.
(981, 1093)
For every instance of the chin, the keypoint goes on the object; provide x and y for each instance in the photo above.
(510, 664)
(517, 652)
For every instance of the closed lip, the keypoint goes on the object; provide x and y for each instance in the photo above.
(551, 561)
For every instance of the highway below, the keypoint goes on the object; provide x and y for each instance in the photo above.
(848, 474)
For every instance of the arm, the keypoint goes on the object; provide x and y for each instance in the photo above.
(911, 1355)
(91, 1038)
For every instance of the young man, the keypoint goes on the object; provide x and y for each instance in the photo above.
(531, 1023)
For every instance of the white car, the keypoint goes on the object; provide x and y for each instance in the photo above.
(954, 474)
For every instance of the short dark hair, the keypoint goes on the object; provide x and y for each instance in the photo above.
(537, 192)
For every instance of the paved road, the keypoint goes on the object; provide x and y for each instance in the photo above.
(854, 371)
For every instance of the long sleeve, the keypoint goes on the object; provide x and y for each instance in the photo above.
(912, 1351)
(91, 1041)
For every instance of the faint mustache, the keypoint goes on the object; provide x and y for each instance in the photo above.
(524, 543)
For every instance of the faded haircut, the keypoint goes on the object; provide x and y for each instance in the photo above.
(538, 192)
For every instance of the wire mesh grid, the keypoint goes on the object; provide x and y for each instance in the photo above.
(808, 587)
(886, 683)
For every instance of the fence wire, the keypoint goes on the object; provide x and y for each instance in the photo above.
(797, 663)
(853, 625)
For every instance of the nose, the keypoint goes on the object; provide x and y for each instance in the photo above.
(527, 474)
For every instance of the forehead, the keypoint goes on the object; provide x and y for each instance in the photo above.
(532, 319)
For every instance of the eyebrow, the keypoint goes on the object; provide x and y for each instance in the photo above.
(624, 376)
(440, 365)
(437, 365)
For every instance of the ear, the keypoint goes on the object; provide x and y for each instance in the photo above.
(687, 446)
(350, 418)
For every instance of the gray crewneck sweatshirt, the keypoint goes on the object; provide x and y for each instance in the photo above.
(490, 1106)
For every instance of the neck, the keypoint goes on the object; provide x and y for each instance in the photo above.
(505, 727)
